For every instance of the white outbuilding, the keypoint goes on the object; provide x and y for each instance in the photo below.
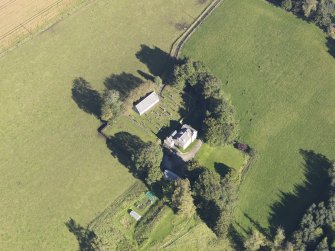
(147, 103)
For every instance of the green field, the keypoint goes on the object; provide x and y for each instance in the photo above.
(214, 157)
(53, 164)
(280, 76)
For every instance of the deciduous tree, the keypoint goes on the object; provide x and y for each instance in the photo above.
(111, 105)
(182, 198)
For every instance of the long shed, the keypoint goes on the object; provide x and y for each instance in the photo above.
(147, 103)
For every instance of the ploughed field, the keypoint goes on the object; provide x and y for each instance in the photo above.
(53, 164)
(280, 76)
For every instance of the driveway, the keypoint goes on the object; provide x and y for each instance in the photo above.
(191, 154)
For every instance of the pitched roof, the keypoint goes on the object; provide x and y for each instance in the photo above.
(147, 103)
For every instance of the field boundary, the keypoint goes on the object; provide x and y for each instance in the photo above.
(180, 41)
(29, 34)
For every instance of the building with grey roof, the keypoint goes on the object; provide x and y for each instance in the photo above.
(147, 103)
(183, 138)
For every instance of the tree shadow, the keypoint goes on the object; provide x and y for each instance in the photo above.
(236, 239)
(124, 83)
(222, 169)
(87, 239)
(86, 98)
(123, 146)
(193, 110)
(331, 46)
(159, 62)
(146, 75)
(258, 226)
(208, 211)
(166, 131)
(274, 2)
(288, 211)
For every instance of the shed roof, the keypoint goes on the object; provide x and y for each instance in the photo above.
(135, 215)
(147, 103)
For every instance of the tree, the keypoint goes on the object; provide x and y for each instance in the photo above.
(287, 4)
(323, 245)
(154, 174)
(111, 105)
(147, 161)
(208, 186)
(182, 199)
(193, 170)
(183, 72)
(309, 6)
(254, 241)
(279, 238)
(220, 131)
(158, 81)
(324, 13)
(210, 85)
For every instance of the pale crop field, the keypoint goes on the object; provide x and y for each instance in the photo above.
(22, 18)
(280, 76)
(53, 165)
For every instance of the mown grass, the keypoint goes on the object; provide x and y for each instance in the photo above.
(220, 157)
(53, 164)
(280, 75)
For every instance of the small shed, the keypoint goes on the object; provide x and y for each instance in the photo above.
(135, 215)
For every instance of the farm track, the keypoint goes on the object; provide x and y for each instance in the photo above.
(179, 43)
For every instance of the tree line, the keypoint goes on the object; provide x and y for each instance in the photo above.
(219, 125)
(321, 12)
(316, 230)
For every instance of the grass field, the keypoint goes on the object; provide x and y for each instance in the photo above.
(53, 165)
(215, 157)
(280, 76)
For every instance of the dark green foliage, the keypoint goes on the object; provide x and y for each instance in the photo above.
(316, 222)
(320, 11)
(147, 160)
(208, 185)
(111, 105)
(182, 199)
(287, 4)
(324, 13)
(323, 245)
(193, 170)
(216, 199)
(220, 126)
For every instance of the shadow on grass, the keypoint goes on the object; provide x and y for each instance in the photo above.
(123, 146)
(288, 211)
(86, 98)
(193, 110)
(146, 76)
(222, 169)
(86, 238)
(124, 83)
(159, 62)
(331, 46)
(208, 211)
(236, 239)
(166, 131)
